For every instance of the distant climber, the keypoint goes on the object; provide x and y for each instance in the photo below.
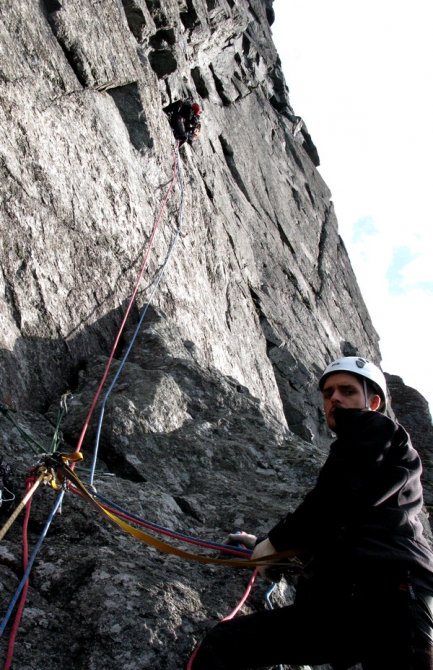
(297, 125)
(184, 116)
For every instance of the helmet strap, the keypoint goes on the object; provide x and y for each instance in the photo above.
(364, 383)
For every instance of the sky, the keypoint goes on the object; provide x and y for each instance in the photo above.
(360, 75)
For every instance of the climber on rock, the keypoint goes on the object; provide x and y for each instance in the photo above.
(184, 116)
(366, 595)
(297, 125)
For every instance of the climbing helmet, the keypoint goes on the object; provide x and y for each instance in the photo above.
(362, 368)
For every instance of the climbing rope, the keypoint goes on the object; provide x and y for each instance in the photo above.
(45, 476)
(40, 474)
(232, 614)
(56, 468)
(137, 330)
(268, 597)
(271, 607)
(10, 652)
(63, 465)
(22, 504)
(30, 564)
(59, 463)
(128, 309)
(124, 514)
(237, 609)
(57, 436)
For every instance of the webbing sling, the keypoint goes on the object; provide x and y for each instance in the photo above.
(65, 470)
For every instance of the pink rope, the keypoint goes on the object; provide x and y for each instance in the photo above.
(232, 614)
(244, 598)
(116, 342)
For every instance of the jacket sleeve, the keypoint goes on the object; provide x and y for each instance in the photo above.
(361, 472)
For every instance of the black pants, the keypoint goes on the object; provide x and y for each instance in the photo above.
(383, 628)
(178, 125)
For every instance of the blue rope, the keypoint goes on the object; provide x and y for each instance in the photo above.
(181, 536)
(268, 597)
(30, 564)
(120, 368)
(271, 607)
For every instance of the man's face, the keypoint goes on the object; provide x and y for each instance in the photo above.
(342, 390)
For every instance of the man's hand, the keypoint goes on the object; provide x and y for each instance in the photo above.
(265, 548)
(249, 541)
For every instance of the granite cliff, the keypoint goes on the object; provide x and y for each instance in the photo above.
(214, 422)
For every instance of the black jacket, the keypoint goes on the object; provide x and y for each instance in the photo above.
(363, 511)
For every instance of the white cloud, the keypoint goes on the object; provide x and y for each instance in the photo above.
(403, 319)
(362, 228)
(405, 326)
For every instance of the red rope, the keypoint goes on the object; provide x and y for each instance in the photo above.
(232, 614)
(244, 598)
(116, 342)
(29, 482)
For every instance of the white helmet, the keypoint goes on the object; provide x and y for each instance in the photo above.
(362, 368)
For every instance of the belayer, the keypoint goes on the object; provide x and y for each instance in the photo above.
(367, 593)
(184, 117)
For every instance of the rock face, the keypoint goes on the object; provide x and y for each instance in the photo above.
(260, 282)
(213, 424)
(412, 411)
